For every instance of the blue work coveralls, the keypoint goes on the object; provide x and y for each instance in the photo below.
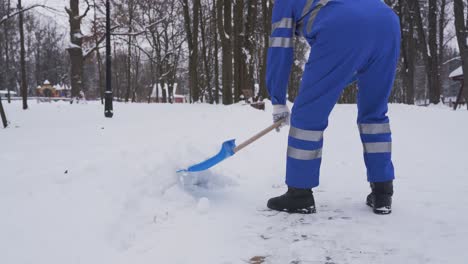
(349, 40)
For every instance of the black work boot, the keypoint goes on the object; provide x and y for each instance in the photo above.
(380, 198)
(294, 201)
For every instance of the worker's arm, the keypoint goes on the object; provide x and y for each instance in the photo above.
(280, 52)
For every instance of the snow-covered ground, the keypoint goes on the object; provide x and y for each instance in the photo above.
(78, 188)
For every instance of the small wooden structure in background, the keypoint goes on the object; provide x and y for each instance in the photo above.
(49, 90)
(457, 75)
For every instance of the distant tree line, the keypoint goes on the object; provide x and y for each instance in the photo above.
(212, 50)
(44, 55)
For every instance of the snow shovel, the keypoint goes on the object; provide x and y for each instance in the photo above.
(228, 149)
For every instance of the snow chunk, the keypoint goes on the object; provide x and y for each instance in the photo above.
(457, 72)
(203, 205)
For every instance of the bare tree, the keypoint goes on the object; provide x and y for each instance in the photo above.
(250, 44)
(7, 54)
(20, 10)
(76, 46)
(97, 30)
(266, 14)
(225, 33)
(192, 41)
(408, 54)
(461, 30)
(130, 14)
(216, 51)
(24, 84)
(434, 88)
(206, 64)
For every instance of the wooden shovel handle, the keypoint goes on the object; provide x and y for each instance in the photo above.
(258, 136)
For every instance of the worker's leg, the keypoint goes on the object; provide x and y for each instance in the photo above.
(375, 85)
(330, 68)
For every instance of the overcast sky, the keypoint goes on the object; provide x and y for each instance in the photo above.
(60, 16)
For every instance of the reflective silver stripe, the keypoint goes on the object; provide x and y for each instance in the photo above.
(314, 14)
(283, 23)
(305, 11)
(372, 129)
(307, 7)
(281, 42)
(380, 147)
(309, 135)
(304, 154)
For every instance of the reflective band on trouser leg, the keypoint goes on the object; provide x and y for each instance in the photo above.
(380, 147)
(377, 142)
(304, 154)
(314, 13)
(279, 42)
(376, 138)
(308, 135)
(283, 23)
(303, 157)
(372, 129)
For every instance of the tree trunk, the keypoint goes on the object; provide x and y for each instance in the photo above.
(252, 13)
(416, 9)
(266, 9)
(75, 50)
(192, 40)
(206, 64)
(434, 88)
(129, 50)
(24, 85)
(460, 28)
(225, 30)
(152, 78)
(98, 56)
(128, 70)
(239, 62)
(7, 55)
(101, 78)
(216, 52)
(136, 75)
(407, 51)
(442, 21)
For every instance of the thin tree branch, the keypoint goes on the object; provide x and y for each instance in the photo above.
(8, 16)
(90, 51)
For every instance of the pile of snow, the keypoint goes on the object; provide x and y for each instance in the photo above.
(78, 188)
(457, 72)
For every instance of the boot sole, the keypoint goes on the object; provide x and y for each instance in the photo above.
(380, 211)
(308, 210)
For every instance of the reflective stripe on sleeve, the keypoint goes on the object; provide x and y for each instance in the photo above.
(283, 23)
(308, 135)
(305, 11)
(304, 154)
(372, 129)
(314, 14)
(281, 42)
(307, 7)
(379, 147)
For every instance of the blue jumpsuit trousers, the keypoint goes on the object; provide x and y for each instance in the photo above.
(350, 40)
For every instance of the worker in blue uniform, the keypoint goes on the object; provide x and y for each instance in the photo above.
(350, 40)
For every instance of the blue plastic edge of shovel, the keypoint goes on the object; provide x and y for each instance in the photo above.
(228, 149)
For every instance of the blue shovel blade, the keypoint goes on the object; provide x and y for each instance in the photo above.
(227, 150)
